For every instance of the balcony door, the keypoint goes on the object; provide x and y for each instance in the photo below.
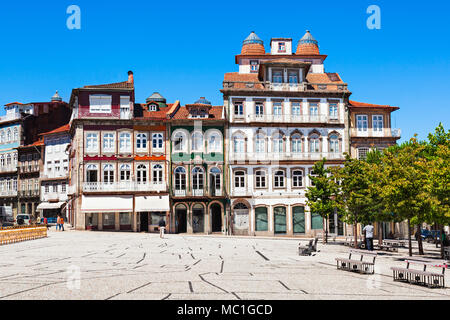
(214, 183)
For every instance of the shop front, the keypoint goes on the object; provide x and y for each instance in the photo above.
(151, 210)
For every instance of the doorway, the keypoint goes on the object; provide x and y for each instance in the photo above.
(198, 218)
(216, 218)
(180, 219)
(144, 221)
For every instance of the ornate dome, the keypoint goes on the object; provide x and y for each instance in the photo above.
(56, 97)
(308, 45)
(156, 97)
(253, 45)
(202, 100)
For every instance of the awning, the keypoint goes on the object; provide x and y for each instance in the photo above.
(49, 205)
(152, 203)
(93, 204)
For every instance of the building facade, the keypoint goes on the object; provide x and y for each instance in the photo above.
(197, 172)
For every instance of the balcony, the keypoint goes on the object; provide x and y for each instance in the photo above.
(285, 156)
(54, 197)
(8, 193)
(123, 187)
(241, 192)
(289, 118)
(28, 168)
(10, 168)
(10, 117)
(285, 87)
(29, 193)
(371, 133)
(198, 193)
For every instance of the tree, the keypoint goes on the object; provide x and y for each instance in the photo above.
(321, 195)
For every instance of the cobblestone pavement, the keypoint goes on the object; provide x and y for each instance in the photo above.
(143, 266)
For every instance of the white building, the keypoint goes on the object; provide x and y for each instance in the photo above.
(285, 113)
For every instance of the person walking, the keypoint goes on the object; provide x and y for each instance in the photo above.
(162, 228)
(368, 230)
(62, 224)
(58, 223)
(46, 222)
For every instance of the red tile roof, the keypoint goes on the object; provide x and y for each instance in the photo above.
(38, 143)
(215, 113)
(64, 128)
(356, 104)
(117, 85)
(9, 104)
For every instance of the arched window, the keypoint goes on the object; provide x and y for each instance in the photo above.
(214, 142)
(179, 141)
(15, 159)
(2, 136)
(142, 174)
(2, 160)
(297, 179)
(125, 172)
(8, 160)
(277, 143)
(157, 174)
(334, 143)
(260, 179)
(197, 141)
(125, 142)
(278, 179)
(198, 178)
(239, 179)
(92, 173)
(314, 144)
(8, 135)
(108, 142)
(141, 141)
(238, 144)
(108, 173)
(15, 134)
(296, 143)
(215, 175)
(180, 178)
(260, 144)
(157, 141)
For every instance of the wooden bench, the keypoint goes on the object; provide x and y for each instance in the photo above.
(421, 277)
(388, 246)
(360, 265)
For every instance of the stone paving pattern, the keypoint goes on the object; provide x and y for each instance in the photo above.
(143, 266)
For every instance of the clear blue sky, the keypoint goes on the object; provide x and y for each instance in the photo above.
(183, 48)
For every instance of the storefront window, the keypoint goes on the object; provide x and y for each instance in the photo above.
(261, 219)
(108, 219)
(125, 219)
(280, 219)
(316, 221)
(156, 217)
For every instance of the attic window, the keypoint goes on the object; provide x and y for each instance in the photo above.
(254, 65)
(281, 47)
(333, 77)
(153, 107)
(199, 113)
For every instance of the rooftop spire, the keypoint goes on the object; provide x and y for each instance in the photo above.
(253, 45)
(308, 45)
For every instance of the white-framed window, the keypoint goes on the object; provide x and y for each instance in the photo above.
(8, 160)
(125, 173)
(277, 76)
(260, 179)
(296, 143)
(157, 141)
(108, 173)
(197, 141)
(179, 141)
(254, 65)
(100, 103)
(109, 142)
(2, 136)
(63, 188)
(157, 173)
(57, 166)
(46, 188)
(260, 144)
(333, 110)
(50, 148)
(49, 167)
(277, 109)
(293, 76)
(311, 174)
(296, 109)
(239, 109)
(198, 178)
(377, 122)
(279, 179)
(152, 107)
(214, 142)
(15, 134)
(362, 153)
(239, 179)
(238, 144)
(314, 144)
(297, 178)
(57, 145)
(361, 122)
(8, 135)
(2, 160)
(125, 142)
(277, 143)
(334, 143)
(141, 141)
(259, 110)
(142, 174)
(281, 46)
(92, 142)
(92, 173)
(180, 178)
(313, 109)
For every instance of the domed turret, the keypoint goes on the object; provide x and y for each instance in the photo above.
(308, 45)
(56, 97)
(202, 100)
(253, 45)
(156, 97)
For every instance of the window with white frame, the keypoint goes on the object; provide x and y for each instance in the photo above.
(92, 142)
(333, 111)
(296, 143)
(313, 175)
(124, 105)
(260, 179)
(239, 179)
(63, 188)
(100, 103)
(238, 109)
(198, 178)
(293, 76)
(8, 135)
(279, 179)
(15, 184)
(197, 141)
(254, 65)
(108, 173)
(296, 109)
(157, 174)
(16, 134)
(334, 143)
(277, 142)
(180, 178)
(108, 142)
(8, 160)
(260, 144)
(362, 153)
(238, 144)
(141, 141)
(281, 46)
(66, 165)
(179, 141)
(125, 142)
(49, 167)
(297, 178)
(377, 122)
(125, 173)
(57, 166)
(214, 142)
(362, 122)
(142, 174)
(153, 107)
(277, 76)
(277, 109)
(157, 141)
(46, 188)
(313, 109)
(92, 173)
(259, 110)
(314, 144)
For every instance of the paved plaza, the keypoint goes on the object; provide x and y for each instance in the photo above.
(105, 265)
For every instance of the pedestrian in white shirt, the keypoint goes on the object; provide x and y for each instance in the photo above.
(368, 230)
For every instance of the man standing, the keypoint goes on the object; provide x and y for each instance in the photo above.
(368, 230)
(58, 223)
(162, 227)
(62, 224)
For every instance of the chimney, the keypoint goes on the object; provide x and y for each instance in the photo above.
(130, 77)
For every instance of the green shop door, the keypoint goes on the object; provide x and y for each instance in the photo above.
(279, 214)
(299, 219)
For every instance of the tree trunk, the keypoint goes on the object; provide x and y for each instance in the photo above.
(380, 233)
(419, 239)
(442, 242)
(355, 232)
(326, 230)
(409, 238)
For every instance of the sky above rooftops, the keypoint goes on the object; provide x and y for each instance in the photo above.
(183, 48)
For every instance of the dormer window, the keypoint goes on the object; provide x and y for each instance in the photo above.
(293, 76)
(277, 76)
(199, 113)
(99, 104)
(281, 47)
(254, 65)
(153, 107)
